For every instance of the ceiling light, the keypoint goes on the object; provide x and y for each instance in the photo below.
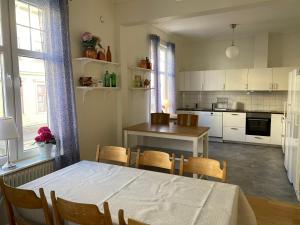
(232, 51)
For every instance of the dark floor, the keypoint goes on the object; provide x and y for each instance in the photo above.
(258, 170)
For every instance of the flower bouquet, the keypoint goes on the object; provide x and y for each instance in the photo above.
(91, 44)
(45, 141)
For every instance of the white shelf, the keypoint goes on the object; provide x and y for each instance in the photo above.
(140, 69)
(140, 88)
(88, 89)
(88, 60)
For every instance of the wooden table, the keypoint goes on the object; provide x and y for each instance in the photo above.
(197, 135)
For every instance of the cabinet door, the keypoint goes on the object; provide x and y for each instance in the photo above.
(181, 80)
(214, 80)
(281, 78)
(234, 134)
(196, 80)
(213, 120)
(236, 80)
(260, 79)
(276, 129)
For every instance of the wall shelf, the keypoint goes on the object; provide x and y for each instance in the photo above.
(140, 69)
(89, 60)
(140, 88)
(88, 89)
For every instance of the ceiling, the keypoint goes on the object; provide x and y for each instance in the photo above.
(279, 17)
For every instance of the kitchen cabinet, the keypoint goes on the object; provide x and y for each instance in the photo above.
(276, 129)
(257, 139)
(196, 80)
(260, 79)
(183, 81)
(236, 80)
(280, 78)
(234, 125)
(213, 120)
(214, 80)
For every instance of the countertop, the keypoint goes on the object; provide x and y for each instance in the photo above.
(229, 110)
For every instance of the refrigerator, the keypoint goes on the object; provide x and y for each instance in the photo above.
(292, 118)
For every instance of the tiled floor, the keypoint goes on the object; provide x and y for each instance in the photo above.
(258, 170)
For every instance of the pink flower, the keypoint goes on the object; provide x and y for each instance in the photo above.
(46, 136)
(38, 139)
(86, 36)
(43, 130)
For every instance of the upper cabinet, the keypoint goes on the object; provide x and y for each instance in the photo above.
(236, 80)
(183, 81)
(260, 79)
(196, 80)
(214, 80)
(280, 78)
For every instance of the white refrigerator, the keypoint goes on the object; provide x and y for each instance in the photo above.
(291, 145)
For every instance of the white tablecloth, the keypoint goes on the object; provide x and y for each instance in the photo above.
(151, 197)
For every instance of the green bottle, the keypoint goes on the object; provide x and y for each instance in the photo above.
(106, 79)
(113, 80)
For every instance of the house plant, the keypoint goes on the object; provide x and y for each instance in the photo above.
(90, 44)
(45, 141)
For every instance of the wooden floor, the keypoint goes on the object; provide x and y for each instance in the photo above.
(270, 212)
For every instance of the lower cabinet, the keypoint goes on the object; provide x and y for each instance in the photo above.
(234, 134)
(258, 139)
(213, 120)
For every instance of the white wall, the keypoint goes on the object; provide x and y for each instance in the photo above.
(283, 50)
(97, 118)
(210, 54)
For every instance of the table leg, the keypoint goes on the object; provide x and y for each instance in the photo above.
(205, 145)
(125, 144)
(195, 152)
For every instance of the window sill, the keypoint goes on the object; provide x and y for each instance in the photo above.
(23, 164)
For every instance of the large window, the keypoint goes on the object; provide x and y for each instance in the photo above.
(23, 93)
(164, 98)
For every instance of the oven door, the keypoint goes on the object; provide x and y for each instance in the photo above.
(258, 126)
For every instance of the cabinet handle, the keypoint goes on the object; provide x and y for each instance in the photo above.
(276, 86)
(246, 86)
(233, 128)
(257, 137)
(223, 86)
(234, 114)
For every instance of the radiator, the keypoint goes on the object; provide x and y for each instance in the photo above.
(28, 174)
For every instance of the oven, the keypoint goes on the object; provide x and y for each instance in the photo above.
(258, 124)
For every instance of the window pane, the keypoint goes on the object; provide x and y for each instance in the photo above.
(33, 98)
(2, 143)
(23, 37)
(36, 40)
(35, 17)
(22, 13)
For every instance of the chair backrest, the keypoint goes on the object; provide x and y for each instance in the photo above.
(130, 221)
(155, 159)
(188, 120)
(203, 166)
(79, 213)
(27, 199)
(160, 118)
(113, 154)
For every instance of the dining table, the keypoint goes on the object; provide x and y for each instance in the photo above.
(150, 197)
(197, 135)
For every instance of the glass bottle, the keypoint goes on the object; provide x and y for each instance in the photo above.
(106, 79)
(108, 54)
(113, 80)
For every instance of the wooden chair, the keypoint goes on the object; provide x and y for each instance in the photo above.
(155, 159)
(113, 154)
(188, 120)
(203, 166)
(27, 199)
(130, 221)
(79, 213)
(160, 118)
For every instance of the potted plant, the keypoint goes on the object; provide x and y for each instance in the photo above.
(90, 43)
(45, 141)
